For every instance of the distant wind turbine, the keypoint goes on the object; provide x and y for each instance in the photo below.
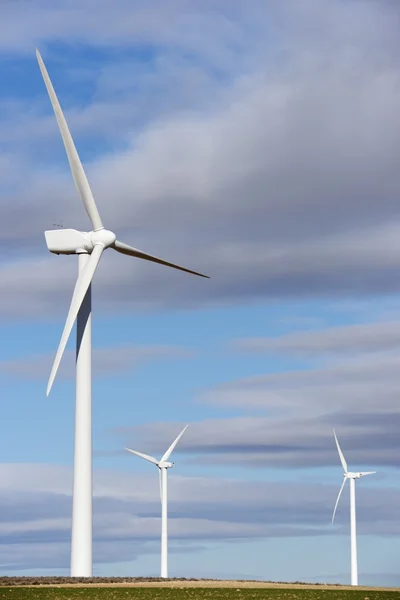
(352, 477)
(162, 465)
(89, 247)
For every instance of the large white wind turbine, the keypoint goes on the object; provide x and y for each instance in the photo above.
(352, 477)
(89, 246)
(162, 465)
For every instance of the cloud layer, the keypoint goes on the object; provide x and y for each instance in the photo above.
(259, 144)
(285, 186)
(106, 361)
(348, 380)
(334, 341)
(35, 507)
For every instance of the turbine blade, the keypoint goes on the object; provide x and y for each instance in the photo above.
(145, 456)
(367, 473)
(341, 456)
(81, 287)
(131, 251)
(174, 443)
(78, 173)
(337, 501)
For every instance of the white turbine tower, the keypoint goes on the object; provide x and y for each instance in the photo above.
(89, 246)
(163, 465)
(353, 536)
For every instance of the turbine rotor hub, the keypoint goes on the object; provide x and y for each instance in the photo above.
(102, 236)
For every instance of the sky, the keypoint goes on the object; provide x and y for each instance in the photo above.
(255, 142)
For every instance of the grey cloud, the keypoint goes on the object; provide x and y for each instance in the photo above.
(129, 23)
(285, 187)
(280, 441)
(296, 412)
(126, 512)
(359, 385)
(368, 337)
(106, 361)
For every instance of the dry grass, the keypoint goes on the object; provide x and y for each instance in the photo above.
(216, 583)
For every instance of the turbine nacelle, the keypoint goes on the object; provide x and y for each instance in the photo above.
(71, 241)
(358, 475)
(165, 465)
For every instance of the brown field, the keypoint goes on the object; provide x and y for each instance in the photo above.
(63, 582)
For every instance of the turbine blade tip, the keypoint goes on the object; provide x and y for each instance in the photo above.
(50, 384)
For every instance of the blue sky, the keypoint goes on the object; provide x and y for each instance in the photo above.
(258, 145)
